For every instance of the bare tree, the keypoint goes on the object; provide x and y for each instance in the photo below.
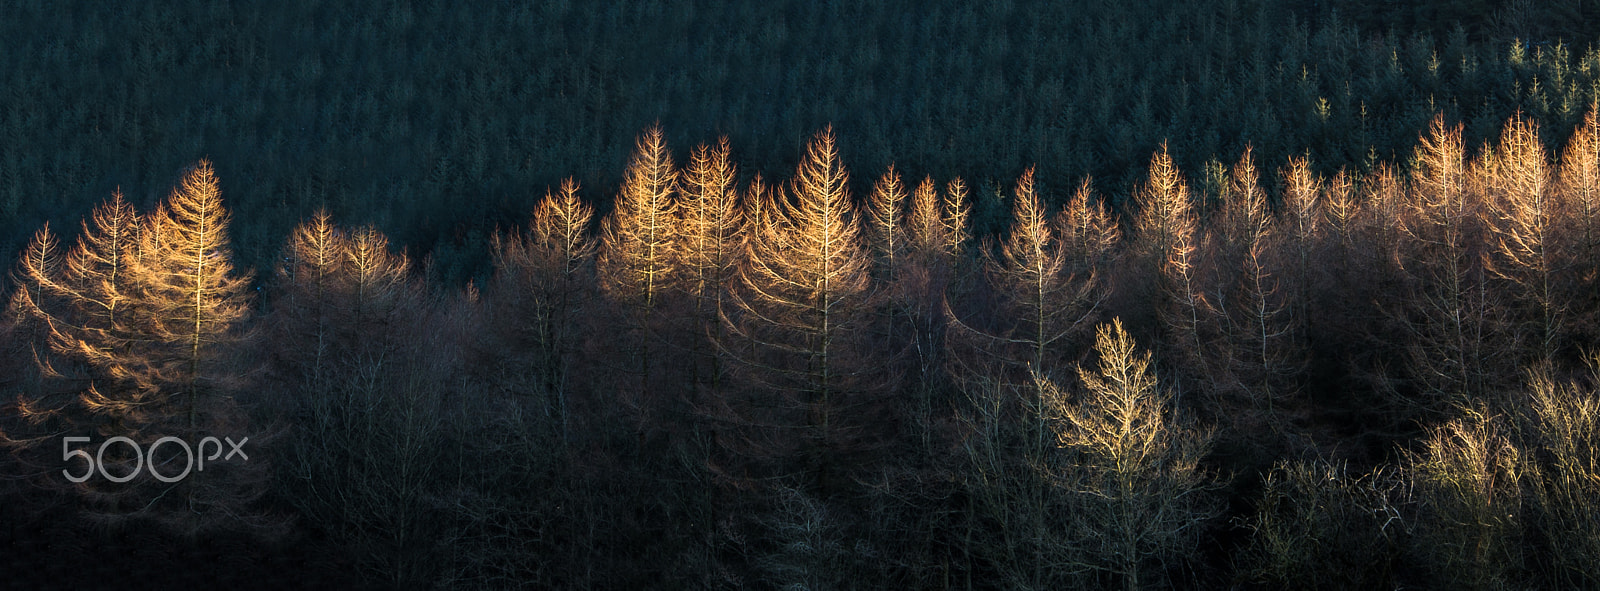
(1170, 244)
(1578, 181)
(1561, 468)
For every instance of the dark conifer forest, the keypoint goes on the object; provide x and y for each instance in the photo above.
(635, 294)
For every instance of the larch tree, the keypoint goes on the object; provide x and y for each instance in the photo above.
(923, 284)
(1446, 315)
(541, 275)
(886, 223)
(1050, 290)
(957, 210)
(75, 311)
(373, 367)
(1468, 477)
(802, 301)
(1528, 248)
(194, 299)
(1170, 243)
(1578, 183)
(1260, 349)
(378, 288)
(1341, 210)
(1301, 221)
(101, 290)
(149, 319)
(309, 269)
(1050, 293)
(709, 245)
(1136, 460)
(635, 262)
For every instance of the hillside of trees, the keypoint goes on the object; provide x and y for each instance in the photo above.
(1371, 380)
(1218, 294)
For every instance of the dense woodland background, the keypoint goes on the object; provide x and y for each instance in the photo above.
(806, 295)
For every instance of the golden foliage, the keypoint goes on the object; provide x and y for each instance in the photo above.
(1527, 246)
(926, 234)
(193, 297)
(1142, 466)
(957, 208)
(709, 231)
(886, 207)
(1467, 475)
(636, 260)
(797, 314)
(1050, 293)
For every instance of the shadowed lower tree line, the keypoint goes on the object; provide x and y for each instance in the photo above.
(1255, 378)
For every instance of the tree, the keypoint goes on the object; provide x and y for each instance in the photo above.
(957, 210)
(1137, 463)
(886, 221)
(1261, 353)
(194, 300)
(799, 309)
(922, 289)
(541, 276)
(1046, 279)
(1166, 228)
(1319, 525)
(1578, 180)
(710, 244)
(310, 267)
(373, 369)
(1049, 293)
(98, 284)
(143, 319)
(1528, 249)
(636, 264)
(1446, 315)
